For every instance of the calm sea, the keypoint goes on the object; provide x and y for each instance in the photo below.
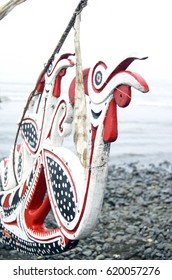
(145, 126)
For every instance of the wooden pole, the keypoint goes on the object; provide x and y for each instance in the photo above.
(80, 115)
(6, 8)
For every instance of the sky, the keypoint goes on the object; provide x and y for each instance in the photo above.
(111, 30)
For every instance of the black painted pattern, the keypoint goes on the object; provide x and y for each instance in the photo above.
(34, 247)
(6, 175)
(19, 167)
(62, 190)
(30, 134)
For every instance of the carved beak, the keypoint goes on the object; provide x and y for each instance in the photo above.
(122, 98)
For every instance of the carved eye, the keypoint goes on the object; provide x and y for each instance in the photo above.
(50, 69)
(98, 78)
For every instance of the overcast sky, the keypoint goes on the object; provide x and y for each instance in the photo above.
(110, 31)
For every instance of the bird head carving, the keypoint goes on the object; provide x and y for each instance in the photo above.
(106, 88)
(56, 71)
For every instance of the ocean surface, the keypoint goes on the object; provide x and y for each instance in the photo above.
(145, 126)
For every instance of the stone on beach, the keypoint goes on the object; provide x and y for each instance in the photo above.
(135, 221)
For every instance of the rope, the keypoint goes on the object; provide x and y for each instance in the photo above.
(121, 91)
(82, 4)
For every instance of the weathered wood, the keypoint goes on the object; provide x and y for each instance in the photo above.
(6, 8)
(80, 114)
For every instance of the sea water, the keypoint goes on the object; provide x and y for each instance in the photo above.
(144, 127)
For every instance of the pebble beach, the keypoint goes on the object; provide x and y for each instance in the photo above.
(135, 221)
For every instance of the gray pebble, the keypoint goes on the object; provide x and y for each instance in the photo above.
(135, 221)
(148, 251)
(87, 253)
(100, 257)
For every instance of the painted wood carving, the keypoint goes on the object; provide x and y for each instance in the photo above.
(45, 179)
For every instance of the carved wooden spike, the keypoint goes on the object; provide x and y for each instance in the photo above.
(80, 115)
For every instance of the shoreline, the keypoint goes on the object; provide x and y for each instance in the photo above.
(135, 221)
